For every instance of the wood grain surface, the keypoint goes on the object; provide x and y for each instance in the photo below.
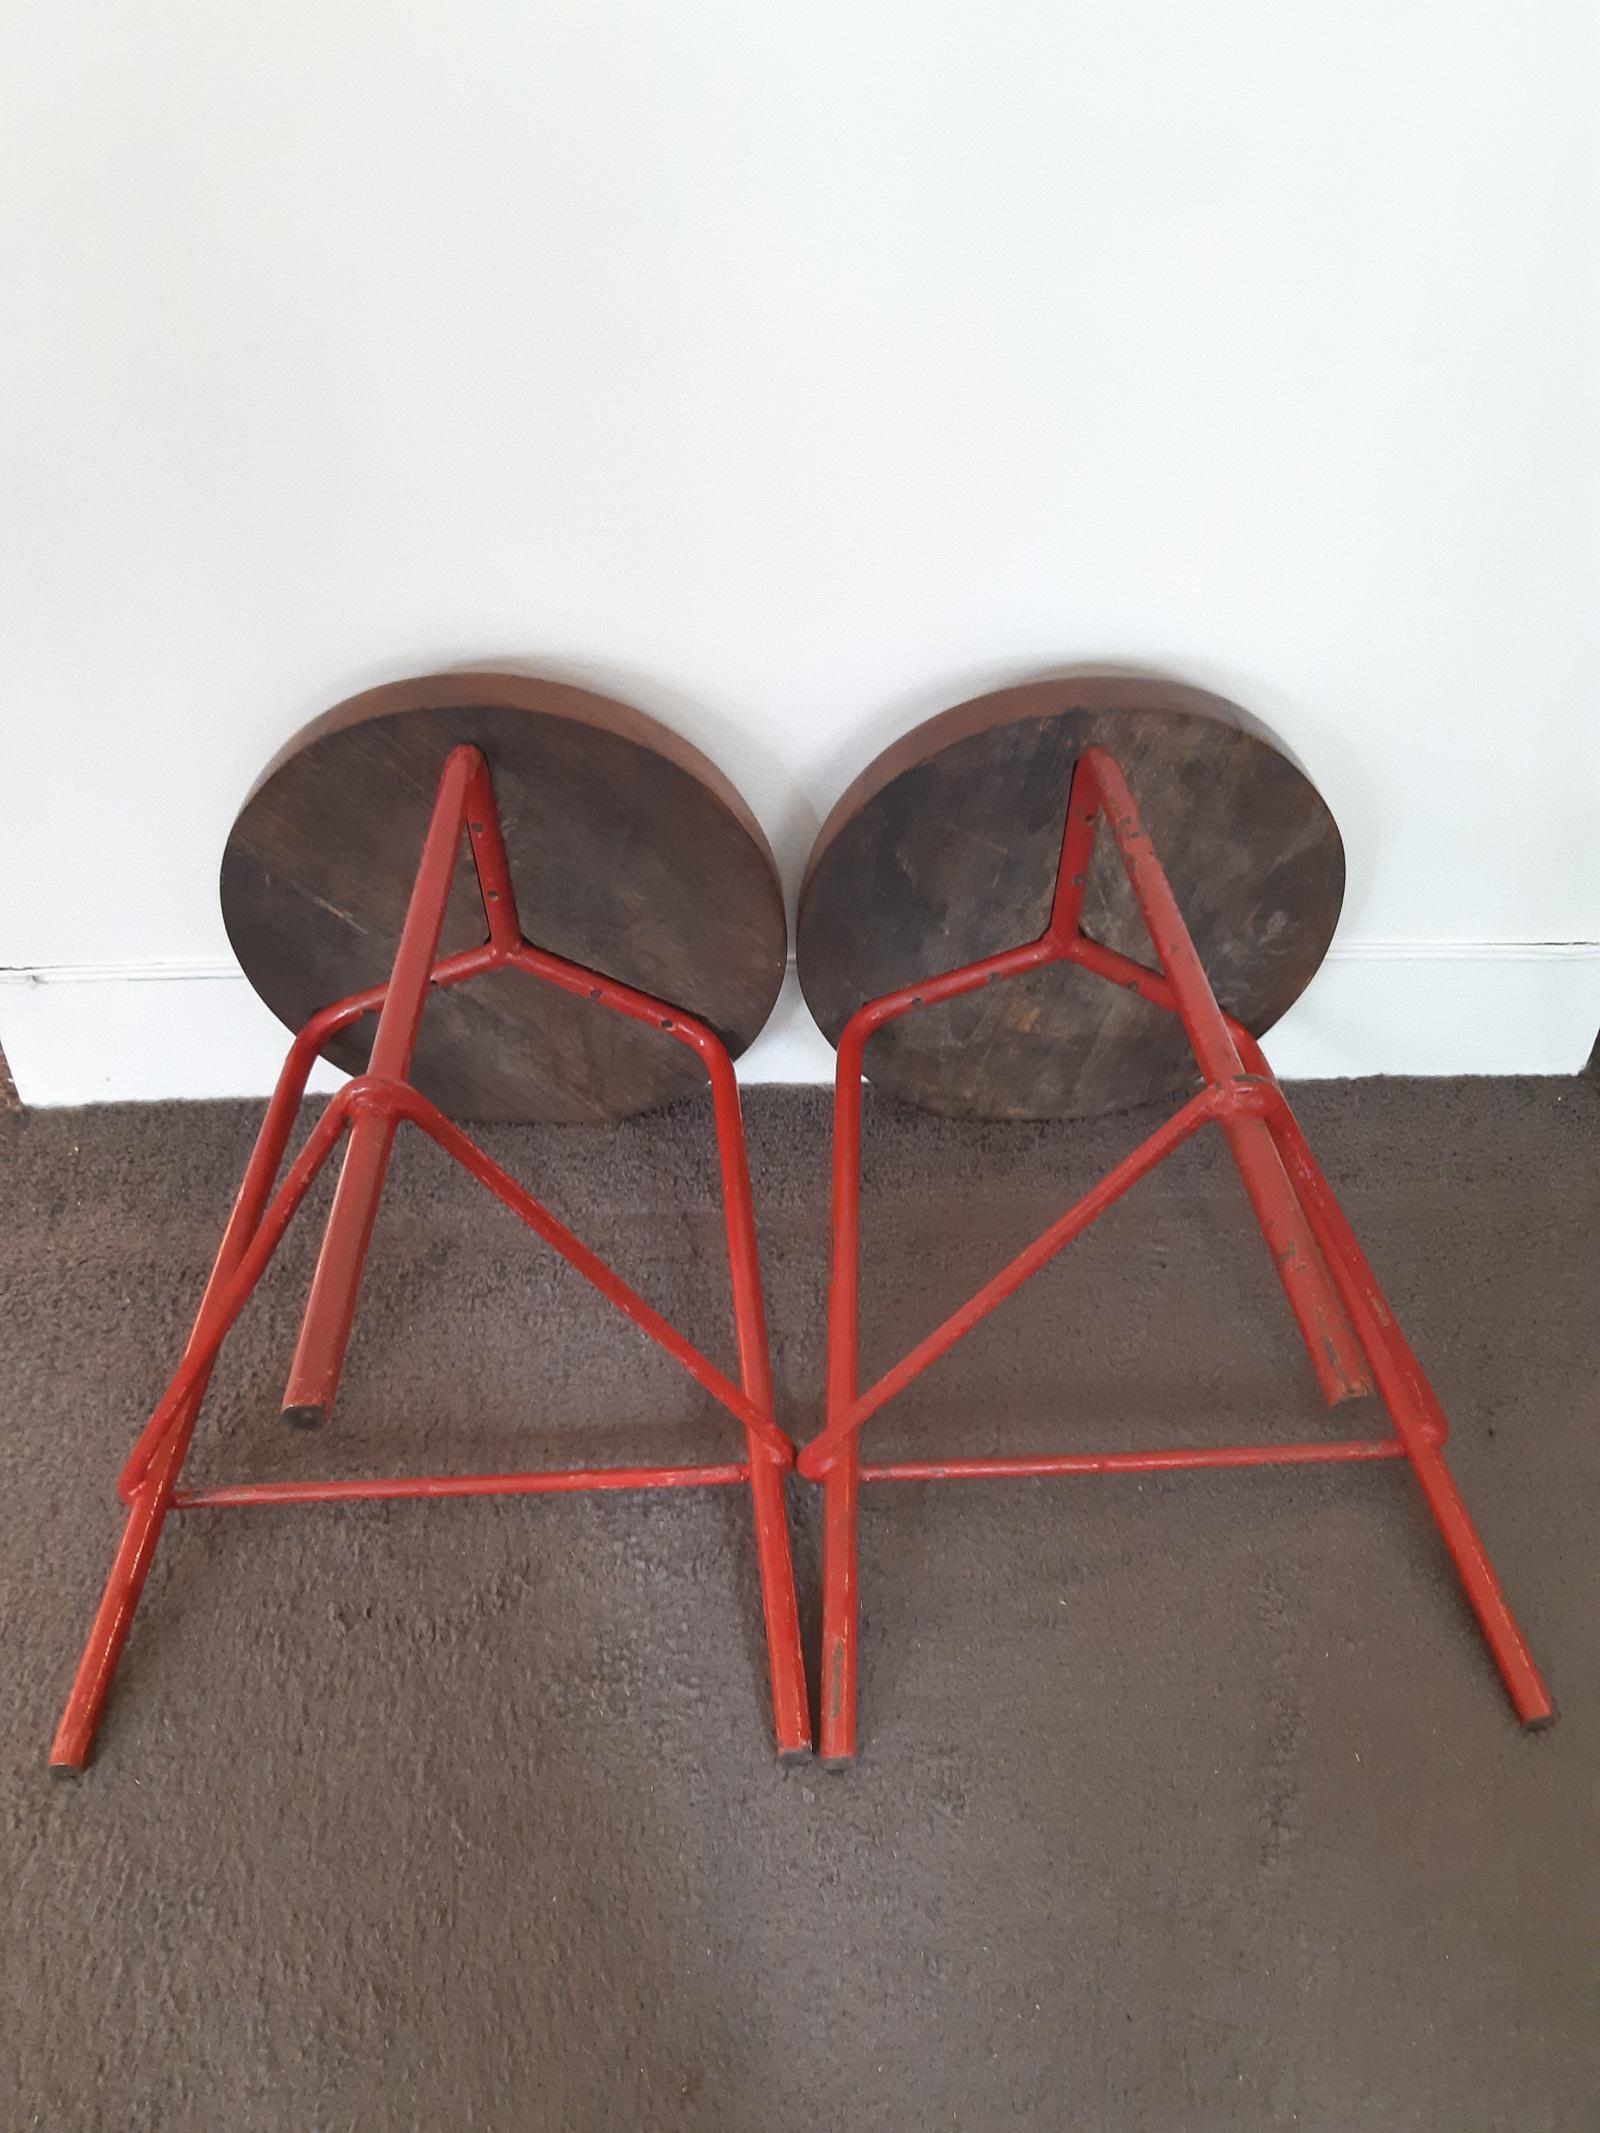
(945, 848)
(630, 853)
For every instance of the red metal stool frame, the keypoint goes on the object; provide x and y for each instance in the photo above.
(1349, 1331)
(372, 1107)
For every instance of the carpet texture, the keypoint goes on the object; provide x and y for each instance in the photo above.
(1184, 1803)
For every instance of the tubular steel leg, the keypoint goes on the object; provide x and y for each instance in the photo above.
(791, 1713)
(1344, 1255)
(330, 1309)
(146, 1513)
(113, 1618)
(1344, 1355)
(1300, 1267)
(786, 1666)
(1523, 1682)
(220, 1313)
(1412, 1407)
(839, 1512)
(840, 1608)
(1302, 1272)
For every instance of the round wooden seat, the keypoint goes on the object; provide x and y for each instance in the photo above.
(629, 853)
(945, 850)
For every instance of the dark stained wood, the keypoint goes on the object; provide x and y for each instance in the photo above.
(629, 851)
(945, 848)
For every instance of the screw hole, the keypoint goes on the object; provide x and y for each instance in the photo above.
(666, 1022)
(594, 992)
(477, 829)
(494, 896)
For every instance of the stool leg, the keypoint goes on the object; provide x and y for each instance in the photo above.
(1324, 1328)
(1524, 1684)
(791, 1714)
(152, 1497)
(839, 1608)
(330, 1308)
(1418, 1424)
(1301, 1268)
(840, 1479)
(113, 1618)
(1344, 1255)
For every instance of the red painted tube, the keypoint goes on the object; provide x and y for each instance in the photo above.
(1333, 1233)
(223, 1308)
(147, 1505)
(1184, 1458)
(330, 1309)
(1193, 1000)
(245, 1495)
(791, 1706)
(248, 1210)
(840, 1605)
(80, 1718)
(1411, 1415)
(1325, 1329)
(839, 1476)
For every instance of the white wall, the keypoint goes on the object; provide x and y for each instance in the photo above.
(795, 372)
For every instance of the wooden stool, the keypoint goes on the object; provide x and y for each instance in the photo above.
(661, 948)
(1036, 815)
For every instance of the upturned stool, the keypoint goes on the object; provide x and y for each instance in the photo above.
(376, 888)
(1062, 899)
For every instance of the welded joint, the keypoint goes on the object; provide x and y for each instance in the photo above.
(376, 1096)
(1243, 1096)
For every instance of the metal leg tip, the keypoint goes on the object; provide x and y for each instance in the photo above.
(305, 1417)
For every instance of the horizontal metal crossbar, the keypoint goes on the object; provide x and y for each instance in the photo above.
(241, 1495)
(1162, 1462)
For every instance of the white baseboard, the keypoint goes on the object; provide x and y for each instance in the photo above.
(137, 1032)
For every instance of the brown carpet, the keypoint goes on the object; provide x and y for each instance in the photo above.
(1185, 1803)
